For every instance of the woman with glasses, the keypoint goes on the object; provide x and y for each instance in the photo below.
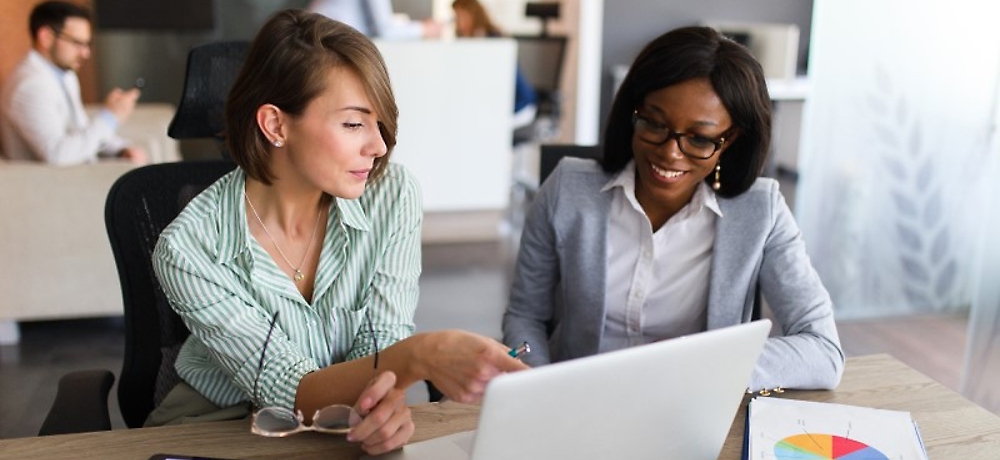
(293, 270)
(674, 232)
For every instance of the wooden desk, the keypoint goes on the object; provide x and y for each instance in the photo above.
(231, 440)
(952, 427)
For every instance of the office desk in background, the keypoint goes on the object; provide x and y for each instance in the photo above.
(953, 428)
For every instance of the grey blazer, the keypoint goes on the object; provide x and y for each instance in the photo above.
(557, 298)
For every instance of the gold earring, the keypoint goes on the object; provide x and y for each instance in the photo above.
(717, 185)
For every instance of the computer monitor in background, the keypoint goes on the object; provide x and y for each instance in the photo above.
(185, 15)
(776, 46)
(541, 58)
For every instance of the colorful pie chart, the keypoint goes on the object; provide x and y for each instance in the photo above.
(824, 447)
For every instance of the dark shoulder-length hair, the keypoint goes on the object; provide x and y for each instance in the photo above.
(287, 65)
(699, 52)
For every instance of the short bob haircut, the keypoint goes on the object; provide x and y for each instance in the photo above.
(287, 65)
(699, 52)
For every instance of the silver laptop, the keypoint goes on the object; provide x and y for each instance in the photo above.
(674, 399)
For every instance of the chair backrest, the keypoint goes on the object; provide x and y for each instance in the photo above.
(552, 153)
(139, 206)
(211, 70)
(540, 58)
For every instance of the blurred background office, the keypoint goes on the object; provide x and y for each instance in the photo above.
(375, 18)
(885, 145)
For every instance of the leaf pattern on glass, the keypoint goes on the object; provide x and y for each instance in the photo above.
(946, 278)
(909, 237)
(905, 205)
(920, 227)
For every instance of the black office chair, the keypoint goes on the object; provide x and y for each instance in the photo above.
(551, 154)
(139, 206)
(211, 70)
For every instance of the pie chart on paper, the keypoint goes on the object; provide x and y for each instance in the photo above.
(824, 447)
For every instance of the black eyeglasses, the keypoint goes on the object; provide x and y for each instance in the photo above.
(690, 144)
(75, 41)
(277, 422)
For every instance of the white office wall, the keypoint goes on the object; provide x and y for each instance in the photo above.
(893, 165)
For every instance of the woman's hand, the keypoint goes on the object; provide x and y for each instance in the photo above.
(460, 363)
(386, 423)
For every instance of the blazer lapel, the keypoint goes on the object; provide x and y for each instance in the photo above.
(593, 280)
(733, 268)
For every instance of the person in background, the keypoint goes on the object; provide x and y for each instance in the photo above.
(374, 18)
(41, 114)
(297, 273)
(673, 232)
(472, 20)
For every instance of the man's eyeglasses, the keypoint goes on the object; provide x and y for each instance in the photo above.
(74, 41)
(279, 422)
(690, 144)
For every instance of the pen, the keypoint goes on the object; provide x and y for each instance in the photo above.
(520, 350)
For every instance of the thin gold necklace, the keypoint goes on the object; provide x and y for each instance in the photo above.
(298, 270)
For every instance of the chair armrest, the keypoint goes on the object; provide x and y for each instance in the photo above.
(81, 403)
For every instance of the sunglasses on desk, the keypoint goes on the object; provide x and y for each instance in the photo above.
(278, 422)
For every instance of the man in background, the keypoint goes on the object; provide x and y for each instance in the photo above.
(374, 18)
(41, 114)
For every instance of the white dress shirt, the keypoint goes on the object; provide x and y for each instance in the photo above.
(657, 283)
(42, 117)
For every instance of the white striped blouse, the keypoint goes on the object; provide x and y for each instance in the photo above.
(227, 288)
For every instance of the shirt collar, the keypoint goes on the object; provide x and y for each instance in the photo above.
(233, 233)
(353, 214)
(704, 196)
(58, 72)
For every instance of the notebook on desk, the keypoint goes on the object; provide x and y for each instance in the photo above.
(671, 399)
